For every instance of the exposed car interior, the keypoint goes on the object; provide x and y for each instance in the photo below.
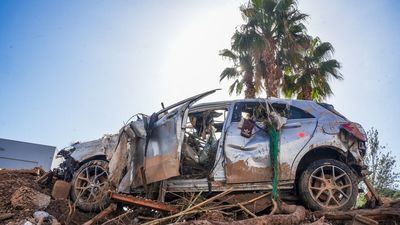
(202, 135)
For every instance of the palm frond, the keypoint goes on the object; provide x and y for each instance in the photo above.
(228, 54)
(331, 67)
(298, 17)
(323, 50)
(269, 5)
(289, 85)
(257, 3)
(239, 87)
(232, 87)
(229, 73)
(284, 6)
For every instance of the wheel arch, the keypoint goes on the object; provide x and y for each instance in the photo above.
(94, 157)
(323, 152)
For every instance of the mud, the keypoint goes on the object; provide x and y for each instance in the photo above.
(28, 198)
(240, 172)
(10, 181)
(161, 167)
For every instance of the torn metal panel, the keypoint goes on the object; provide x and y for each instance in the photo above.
(164, 148)
(135, 157)
(119, 159)
(162, 156)
(190, 100)
(102, 146)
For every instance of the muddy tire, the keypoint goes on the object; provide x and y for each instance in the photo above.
(327, 185)
(90, 185)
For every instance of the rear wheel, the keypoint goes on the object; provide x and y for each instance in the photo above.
(328, 184)
(89, 186)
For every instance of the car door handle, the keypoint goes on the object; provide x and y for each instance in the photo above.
(292, 125)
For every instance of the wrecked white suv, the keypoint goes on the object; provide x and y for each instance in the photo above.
(210, 148)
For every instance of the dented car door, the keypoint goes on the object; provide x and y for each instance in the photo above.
(247, 158)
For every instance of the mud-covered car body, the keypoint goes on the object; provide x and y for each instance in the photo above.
(192, 148)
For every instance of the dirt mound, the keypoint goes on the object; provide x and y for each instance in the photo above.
(20, 187)
(62, 210)
(28, 198)
(11, 181)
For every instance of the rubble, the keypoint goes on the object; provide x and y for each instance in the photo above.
(20, 191)
(27, 198)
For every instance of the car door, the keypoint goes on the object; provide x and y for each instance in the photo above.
(295, 134)
(165, 137)
(246, 158)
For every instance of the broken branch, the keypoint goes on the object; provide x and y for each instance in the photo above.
(190, 210)
(376, 214)
(102, 214)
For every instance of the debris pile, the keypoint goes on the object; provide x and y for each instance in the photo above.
(24, 201)
(27, 199)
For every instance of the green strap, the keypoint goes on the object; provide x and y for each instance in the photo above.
(273, 153)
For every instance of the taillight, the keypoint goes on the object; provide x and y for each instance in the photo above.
(356, 130)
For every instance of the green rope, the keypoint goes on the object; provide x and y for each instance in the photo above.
(273, 153)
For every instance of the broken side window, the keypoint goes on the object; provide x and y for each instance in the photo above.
(202, 134)
(291, 112)
(255, 111)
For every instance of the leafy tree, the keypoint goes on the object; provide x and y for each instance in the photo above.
(310, 81)
(381, 164)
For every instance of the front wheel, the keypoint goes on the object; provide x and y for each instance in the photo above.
(89, 186)
(328, 184)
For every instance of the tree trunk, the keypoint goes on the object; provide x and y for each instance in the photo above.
(273, 76)
(250, 91)
(305, 93)
(376, 214)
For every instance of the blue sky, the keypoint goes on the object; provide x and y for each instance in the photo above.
(75, 70)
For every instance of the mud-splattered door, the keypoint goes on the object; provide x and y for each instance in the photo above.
(295, 134)
(246, 158)
(164, 147)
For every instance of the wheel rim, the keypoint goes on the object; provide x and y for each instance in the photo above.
(330, 186)
(91, 184)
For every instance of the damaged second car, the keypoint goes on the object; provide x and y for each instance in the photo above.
(212, 147)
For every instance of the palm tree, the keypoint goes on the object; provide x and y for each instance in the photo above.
(242, 72)
(277, 34)
(311, 79)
